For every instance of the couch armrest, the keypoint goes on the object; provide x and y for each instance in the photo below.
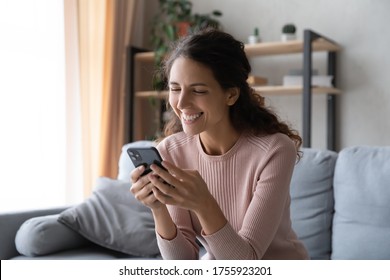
(9, 225)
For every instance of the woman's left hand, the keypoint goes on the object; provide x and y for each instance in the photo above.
(182, 188)
(187, 189)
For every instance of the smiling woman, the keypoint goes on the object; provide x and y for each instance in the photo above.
(227, 160)
(32, 105)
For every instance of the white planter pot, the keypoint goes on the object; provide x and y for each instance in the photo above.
(288, 37)
(253, 39)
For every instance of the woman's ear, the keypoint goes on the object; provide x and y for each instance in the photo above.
(232, 95)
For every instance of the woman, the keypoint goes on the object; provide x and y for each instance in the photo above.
(229, 160)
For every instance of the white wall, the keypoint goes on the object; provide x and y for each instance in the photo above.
(360, 27)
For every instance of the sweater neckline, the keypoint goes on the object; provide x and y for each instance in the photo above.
(223, 157)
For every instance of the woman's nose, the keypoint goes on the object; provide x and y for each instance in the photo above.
(184, 100)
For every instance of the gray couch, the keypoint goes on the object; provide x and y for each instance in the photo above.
(340, 209)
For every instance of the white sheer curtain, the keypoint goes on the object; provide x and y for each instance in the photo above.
(91, 25)
(62, 69)
(33, 104)
(74, 163)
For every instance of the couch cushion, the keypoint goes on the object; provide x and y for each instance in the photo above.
(361, 224)
(44, 235)
(9, 225)
(312, 201)
(90, 252)
(125, 164)
(114, 219)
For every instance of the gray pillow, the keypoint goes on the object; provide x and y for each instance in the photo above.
(45, 235)
(312, 201)
(114, 219)
(361, 223)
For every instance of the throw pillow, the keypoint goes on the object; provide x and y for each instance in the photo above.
(361, 223)
(312, 201)
(114, 219)
(45, 235)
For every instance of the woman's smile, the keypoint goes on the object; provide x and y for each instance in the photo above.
(190, 118)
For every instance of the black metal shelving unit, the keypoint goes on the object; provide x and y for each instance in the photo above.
(308, 37)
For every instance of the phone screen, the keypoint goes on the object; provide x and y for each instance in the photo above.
(145, 157)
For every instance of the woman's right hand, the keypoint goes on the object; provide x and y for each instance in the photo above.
(142, 188)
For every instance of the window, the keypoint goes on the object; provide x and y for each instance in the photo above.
(33, 119)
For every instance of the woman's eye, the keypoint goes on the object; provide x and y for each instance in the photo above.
(175, 89)
(198, 91)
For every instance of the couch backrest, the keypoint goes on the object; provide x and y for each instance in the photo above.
(312, 201)
(361, 223)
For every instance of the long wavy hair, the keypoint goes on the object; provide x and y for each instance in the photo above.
(226, 58)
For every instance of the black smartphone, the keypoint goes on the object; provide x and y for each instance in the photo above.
(146, 157)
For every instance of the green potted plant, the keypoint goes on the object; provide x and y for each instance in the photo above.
(288, 32)
(175, 19)
(254, 38)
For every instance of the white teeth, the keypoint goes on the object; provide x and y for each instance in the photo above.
(191, 117)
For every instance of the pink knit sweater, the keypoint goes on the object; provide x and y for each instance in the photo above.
(251, 185)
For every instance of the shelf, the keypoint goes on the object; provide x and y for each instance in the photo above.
(294, 90)
(263, 90)
(269, 48)
(289, 47)
(147, 94)
(144, 56)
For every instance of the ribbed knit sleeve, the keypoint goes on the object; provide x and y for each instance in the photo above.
(251, 185)
(183, 246)
(179, 248)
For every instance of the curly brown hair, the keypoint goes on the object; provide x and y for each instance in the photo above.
(226, 58)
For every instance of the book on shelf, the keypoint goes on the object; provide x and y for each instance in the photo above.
(316, 80)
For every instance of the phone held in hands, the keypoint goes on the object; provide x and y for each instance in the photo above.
(146, 157)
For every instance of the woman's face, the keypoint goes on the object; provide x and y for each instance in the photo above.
(197, 98)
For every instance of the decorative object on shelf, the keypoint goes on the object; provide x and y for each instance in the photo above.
(295, 78)
(288, 32)
(173, 20)
(257, 81)
(316, 80)
(255, 37)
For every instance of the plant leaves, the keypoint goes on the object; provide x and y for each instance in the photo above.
(170, 31)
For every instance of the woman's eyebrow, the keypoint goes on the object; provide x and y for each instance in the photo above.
(198, 84)
(192, 85)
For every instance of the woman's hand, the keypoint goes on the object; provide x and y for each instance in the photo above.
(187, 189)
(142, 188)
(182, 188)
(144, 191)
